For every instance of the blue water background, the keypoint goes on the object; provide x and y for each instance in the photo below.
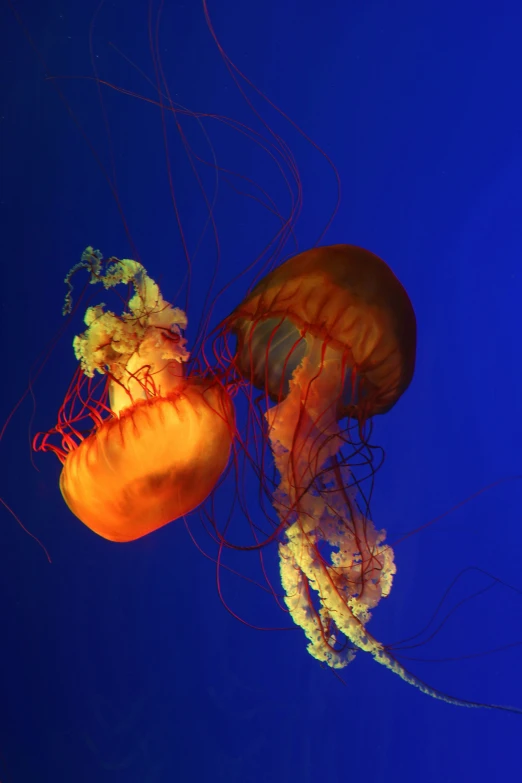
(119, 663)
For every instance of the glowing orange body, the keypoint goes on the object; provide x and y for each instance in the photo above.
(156, 462)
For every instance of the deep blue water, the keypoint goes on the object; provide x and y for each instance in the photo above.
(119, 662)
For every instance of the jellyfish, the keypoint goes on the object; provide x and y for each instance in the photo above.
(329, 337)
(157, 440)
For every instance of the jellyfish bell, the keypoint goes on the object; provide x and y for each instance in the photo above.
(160, 440)
(342, 308)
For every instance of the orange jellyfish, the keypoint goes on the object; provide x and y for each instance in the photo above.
(156, 441)
(330, 338)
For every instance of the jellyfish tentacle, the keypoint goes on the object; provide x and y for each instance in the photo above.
(334, 564)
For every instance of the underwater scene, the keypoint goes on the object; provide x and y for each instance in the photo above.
(261, 487)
